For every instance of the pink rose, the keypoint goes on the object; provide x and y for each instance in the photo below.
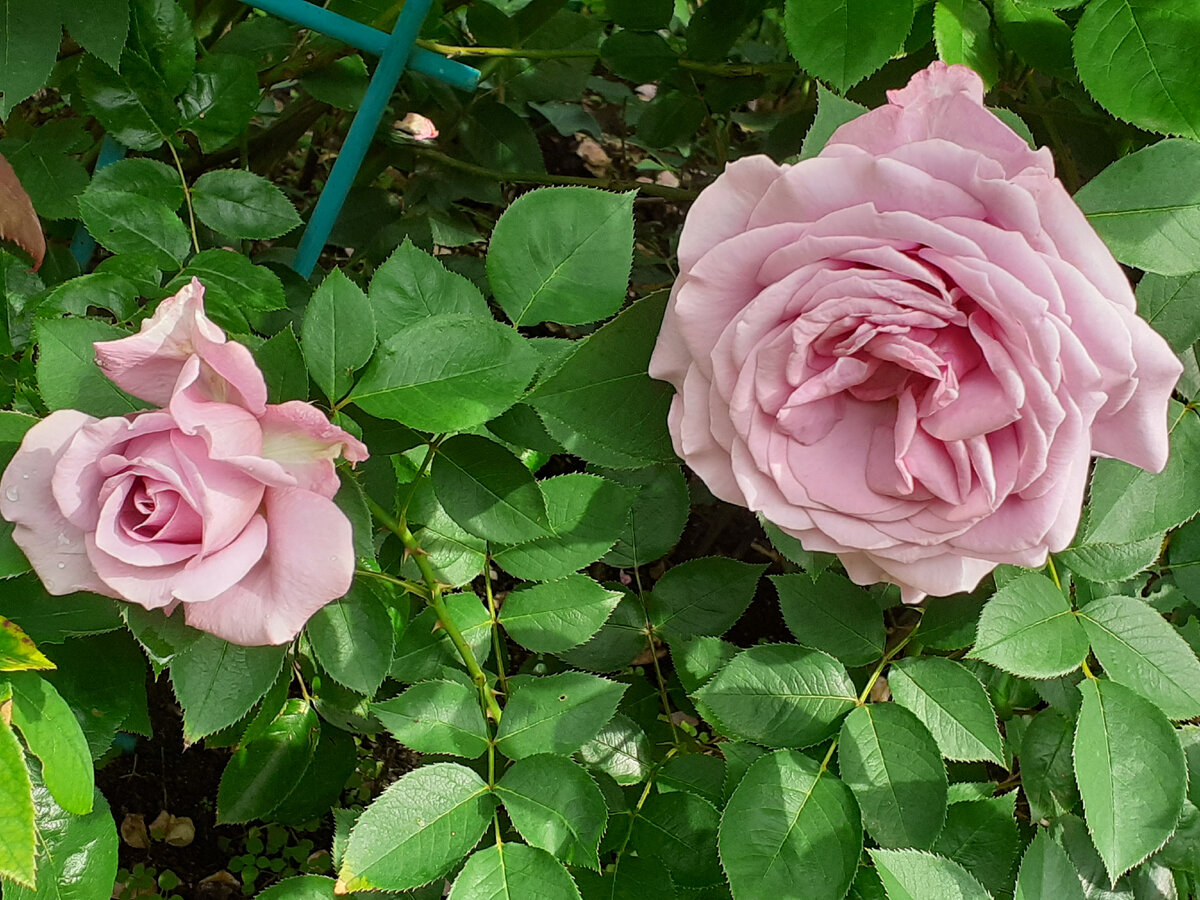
(905, 350)
(218, 502)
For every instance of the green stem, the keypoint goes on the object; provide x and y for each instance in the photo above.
(658, 676)
(412, 488)
(727, 70)
(1053, 572)
(438, 605)
(887, 658)
(411, 586)
(613, 184)
(497, 640)
(187, 197)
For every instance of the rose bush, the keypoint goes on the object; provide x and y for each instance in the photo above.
(905, 350)
(217, 502)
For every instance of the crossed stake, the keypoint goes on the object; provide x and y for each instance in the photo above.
(395, 52)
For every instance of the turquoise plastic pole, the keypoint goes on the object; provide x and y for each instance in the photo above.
(372, 40)
(362, 131)
(83, 245)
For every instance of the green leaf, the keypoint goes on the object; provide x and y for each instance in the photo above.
(217, 682)
(488, 491)
(790, 822)
(1131, 773)
(139, 175)
(1039, 37)
(981, 836)
(424, 647)
(832, 113)
(128, 223)
(233, 286)
(585, 512)
(681, 830)
(604, 382)
(28, 48)
(100, 27)
(827, 38)
(962, 32)
(499, 138)
(1129, 504)
(160, 33)
(702, 596)
(412, 285)
(950, 623)
(68, 377)
(1146, 206)
(632, 878)
(300, 887)
(17, 846)
(696, 774)
(481, 368)
(134, 104)
(557, 615)
(952, 703)
(620, 750)
(18, 651)
(352, 639)
(1140, 650)
(342, 83)
(240, 204)
(1133, 57)
(53, 177)
(641, 15)
(77, 855)
(513, 870)
(282, 364)
(1029, 629)
(52, 620)
(891, 763)
(417, 829)
(436, 717)
(671, 119)
(220, 100)
(698, 659)
(1112, 562)
(638, 57)
(618, 641)
(915, 875)
(1046, 871)
(715, 27)
(833, 615)
(338, 334)
(1047, 765)
(556, 714)
(53, 735)
(1171, 306)
(656, 520)
(555, 805)
(262, 773)
(779, 695)
(562, 255)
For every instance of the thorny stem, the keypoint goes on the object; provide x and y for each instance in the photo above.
(187, 196)
(729, 70)
(887, 658)
(614, 184)
(438, 605)
(411, 586)
(658, 676)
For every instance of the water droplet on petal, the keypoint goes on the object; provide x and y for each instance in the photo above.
(24, 474)
(62, 565)
(12, 494)
(63, 539)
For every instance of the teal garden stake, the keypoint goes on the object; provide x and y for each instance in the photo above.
(395, 51)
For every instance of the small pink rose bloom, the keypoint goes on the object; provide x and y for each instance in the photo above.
(218, 502)
(905, 350)
(418, 127)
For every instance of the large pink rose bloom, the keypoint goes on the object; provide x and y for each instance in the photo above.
(218, 502)
(905, 350)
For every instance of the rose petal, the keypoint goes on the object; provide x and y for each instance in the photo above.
(52, 543)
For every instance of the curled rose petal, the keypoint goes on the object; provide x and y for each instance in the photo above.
(906, 349)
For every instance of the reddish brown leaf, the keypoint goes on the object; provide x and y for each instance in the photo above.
(18, 222)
